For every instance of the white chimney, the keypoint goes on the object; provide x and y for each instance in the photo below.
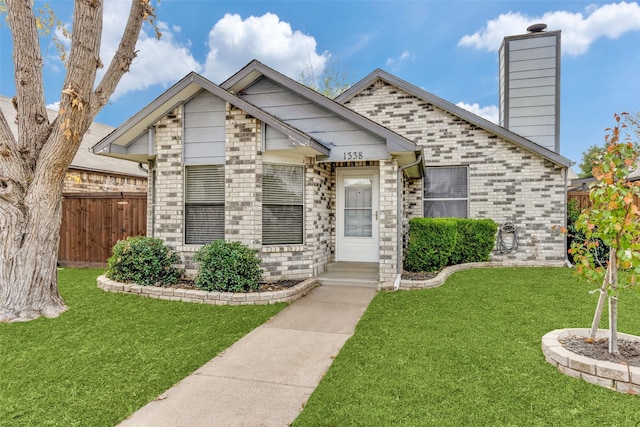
(530, 85)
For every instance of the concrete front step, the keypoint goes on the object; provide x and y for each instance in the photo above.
(348, 282)
(350, 274)
(353, 267)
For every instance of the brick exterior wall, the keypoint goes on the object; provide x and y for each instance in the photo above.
(243, 200)
(81, 181)
(388, 222)
(506, 182)
(165, 218)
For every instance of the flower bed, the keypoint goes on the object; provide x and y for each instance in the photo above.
(205, 297)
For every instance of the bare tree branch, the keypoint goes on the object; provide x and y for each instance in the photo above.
(141, 10)
(74, 116)
(33, 124)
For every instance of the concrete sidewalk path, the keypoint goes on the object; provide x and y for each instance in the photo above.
(265, 378)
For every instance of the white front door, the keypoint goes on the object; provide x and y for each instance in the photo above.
(357, 201)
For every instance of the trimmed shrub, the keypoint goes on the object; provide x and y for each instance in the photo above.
(145, 261)
(227, 267)
(476, 238)
(431, 242)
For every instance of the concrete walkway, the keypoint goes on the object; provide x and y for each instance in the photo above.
(265, 378)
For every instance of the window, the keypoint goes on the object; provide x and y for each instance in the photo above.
(282, 204)
(446, 192)
(204, 204)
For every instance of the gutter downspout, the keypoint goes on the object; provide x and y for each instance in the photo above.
(566, 220)
(399, 221)
(151, 176)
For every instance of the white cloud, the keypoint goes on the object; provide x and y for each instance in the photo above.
(403, 57)
(159, 62)
(234, 42)
(578, 31)
(54, 106)
(490, 112)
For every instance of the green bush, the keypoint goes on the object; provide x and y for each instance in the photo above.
(227, 267)
(437, 242)
(431, 242)
(476, 238)
(144, 261)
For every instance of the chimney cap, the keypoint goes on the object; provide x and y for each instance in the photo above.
(536, 28)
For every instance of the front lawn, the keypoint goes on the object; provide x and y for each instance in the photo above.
(109, 354)
(469, 354)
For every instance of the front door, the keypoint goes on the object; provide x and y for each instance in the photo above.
(357, 215)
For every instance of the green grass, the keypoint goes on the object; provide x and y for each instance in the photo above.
(469, 354)
(109, 354)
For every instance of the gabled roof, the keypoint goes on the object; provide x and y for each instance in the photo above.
(255, 69)
(452, 109)
(84, 159)
(186, 88)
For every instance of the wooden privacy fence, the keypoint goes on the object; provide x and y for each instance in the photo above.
(93, 222)
(582, 198)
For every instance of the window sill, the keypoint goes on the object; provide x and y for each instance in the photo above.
(282, 248)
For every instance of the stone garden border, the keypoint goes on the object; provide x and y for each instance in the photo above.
(615, 376)
(206, 297)
(448, 271)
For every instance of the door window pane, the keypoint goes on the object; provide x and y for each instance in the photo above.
(358, 207)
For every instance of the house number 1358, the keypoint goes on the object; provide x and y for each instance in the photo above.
(353, 155)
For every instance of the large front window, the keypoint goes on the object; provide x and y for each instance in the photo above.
(446, 192)
(204, 204)
(282, 204)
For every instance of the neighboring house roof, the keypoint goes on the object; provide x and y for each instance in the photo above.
(182, 91)
(255, 69)
(84, 158)
(452, 109)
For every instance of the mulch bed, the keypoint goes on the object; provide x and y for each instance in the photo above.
(629, 351)
(264, 287)
(420, 275)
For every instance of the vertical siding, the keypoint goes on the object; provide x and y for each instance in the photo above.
(204, 130)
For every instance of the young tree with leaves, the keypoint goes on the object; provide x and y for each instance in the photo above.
(589, 157)
(613, 218)
(33, 163)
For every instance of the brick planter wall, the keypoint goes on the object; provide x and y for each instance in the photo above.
(205, 297)
(615, 376)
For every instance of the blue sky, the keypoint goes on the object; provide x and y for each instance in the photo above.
(448, 48)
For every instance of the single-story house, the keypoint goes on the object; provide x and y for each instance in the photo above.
(308, 181)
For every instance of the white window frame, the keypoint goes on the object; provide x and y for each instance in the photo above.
(301, 203)
(203, 200)
(446, 199)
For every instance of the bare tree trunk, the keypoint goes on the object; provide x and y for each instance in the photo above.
(613, 325)
(613, 302)
(33, 162)
(598, 313)
(29, 239)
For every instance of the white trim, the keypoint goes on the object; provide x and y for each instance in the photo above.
(358, 249)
